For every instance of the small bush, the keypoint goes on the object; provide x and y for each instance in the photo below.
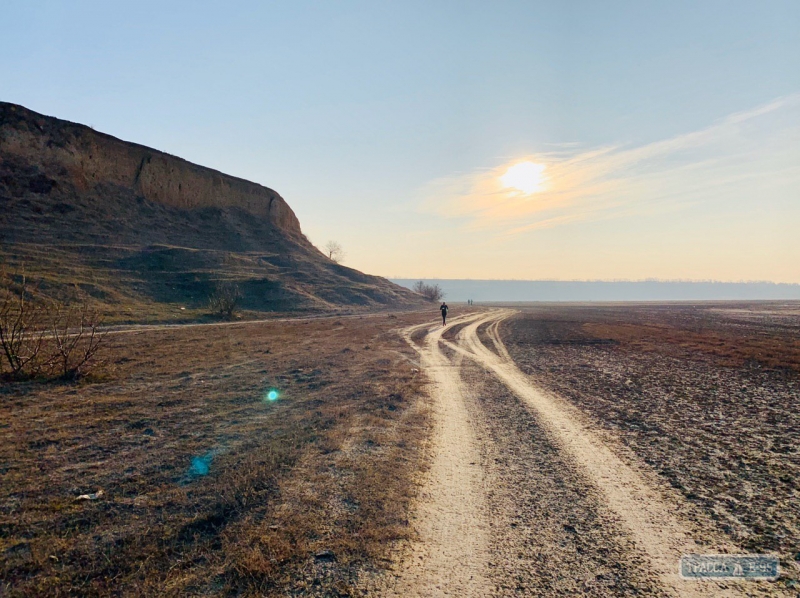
(22, 331)
(431, 292)
(45, 339)
(76, 339)
(225, 300)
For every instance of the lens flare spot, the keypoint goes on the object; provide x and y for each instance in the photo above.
(272, 395)
(200, 465)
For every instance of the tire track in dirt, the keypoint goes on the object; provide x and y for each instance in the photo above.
(451, 556)
(642, 511)
(552, 536)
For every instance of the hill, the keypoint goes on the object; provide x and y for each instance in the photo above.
(147, 235)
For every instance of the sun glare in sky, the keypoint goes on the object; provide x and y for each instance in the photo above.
(527, 177)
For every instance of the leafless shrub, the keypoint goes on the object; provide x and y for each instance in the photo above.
(225, 299)
(431, 292)
(76, 339)
(22, 330)
(334, 251)
(44, 339)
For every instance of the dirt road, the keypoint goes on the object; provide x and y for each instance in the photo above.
(524, 497)
(142, 328)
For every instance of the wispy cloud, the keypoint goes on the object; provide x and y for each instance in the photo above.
(738, 155)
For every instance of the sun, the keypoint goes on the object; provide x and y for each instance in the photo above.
(527, 177)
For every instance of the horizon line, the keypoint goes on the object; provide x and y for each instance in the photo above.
(609, 280)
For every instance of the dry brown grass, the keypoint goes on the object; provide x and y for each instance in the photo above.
(329, 466)
(704, 395)
(760, 334)
(771, 350)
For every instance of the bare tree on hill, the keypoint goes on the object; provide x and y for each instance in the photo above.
(334, 251)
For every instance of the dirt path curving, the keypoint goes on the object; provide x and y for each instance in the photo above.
(458, 518)
(450, 557)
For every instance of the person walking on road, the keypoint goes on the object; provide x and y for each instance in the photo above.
(443, 309)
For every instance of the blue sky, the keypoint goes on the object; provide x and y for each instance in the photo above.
(384, 124)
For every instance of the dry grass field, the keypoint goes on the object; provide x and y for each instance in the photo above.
(202, 483)
(208, 486)
(707, 395)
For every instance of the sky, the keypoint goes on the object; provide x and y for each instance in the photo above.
(663, 138)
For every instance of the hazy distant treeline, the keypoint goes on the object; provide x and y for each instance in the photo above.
(556, 290)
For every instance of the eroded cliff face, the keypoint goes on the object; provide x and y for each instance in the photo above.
(90, 158)
(144, 235)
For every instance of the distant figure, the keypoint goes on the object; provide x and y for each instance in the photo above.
(443, 309)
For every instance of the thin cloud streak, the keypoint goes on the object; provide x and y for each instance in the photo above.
(738, 156)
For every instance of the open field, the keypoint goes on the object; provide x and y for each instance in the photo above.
(535, 493)
(706, 395)
(545, 450)
(208, 487)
